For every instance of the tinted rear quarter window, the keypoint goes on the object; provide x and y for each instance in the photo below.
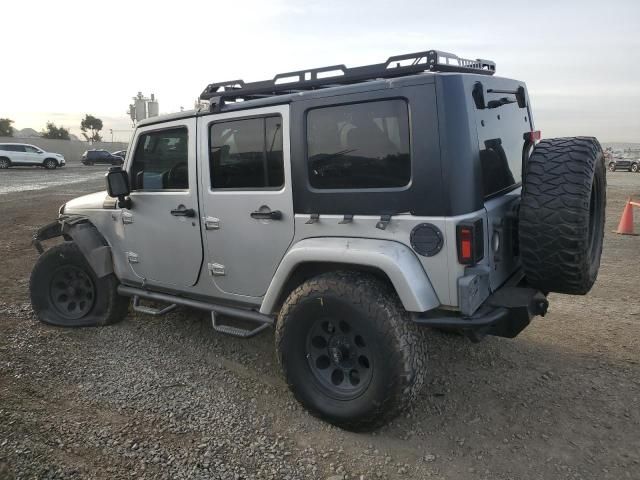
(359, 146)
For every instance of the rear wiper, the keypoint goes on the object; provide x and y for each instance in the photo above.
(500, 102)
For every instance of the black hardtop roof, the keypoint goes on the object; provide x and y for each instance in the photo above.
(220, 93)
(239, 95)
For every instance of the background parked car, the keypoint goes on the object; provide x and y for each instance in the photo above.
(22, 154)
(628, 164)
(92, 157)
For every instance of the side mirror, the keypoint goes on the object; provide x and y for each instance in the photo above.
(118, 186)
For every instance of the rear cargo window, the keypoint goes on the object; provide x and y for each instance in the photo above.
(501, 165)
(359, 146)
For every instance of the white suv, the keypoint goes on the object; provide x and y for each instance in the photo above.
(14, 154)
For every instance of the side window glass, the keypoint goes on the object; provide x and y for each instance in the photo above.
(30, 149)
(358, 146)
(160, 161)
(247, 153)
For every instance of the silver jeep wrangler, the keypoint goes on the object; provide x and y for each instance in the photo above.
(348, 208)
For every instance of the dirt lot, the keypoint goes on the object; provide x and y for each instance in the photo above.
(170, 398)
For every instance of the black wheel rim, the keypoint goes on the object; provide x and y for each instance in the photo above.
(72, 292)
(339, 357)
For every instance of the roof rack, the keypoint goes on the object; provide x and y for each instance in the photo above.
(293, 82)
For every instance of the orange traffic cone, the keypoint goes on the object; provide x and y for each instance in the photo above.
(625, 227)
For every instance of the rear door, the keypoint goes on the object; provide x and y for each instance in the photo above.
(162, 229)
(17, 154)
(32, 155)
(246, 197)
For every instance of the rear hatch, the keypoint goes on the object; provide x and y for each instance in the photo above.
(503, 121)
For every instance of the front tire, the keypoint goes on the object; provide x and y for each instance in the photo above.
(612, 167)
(349, 351)
(66, 292)
(50, 164)
(634, 168)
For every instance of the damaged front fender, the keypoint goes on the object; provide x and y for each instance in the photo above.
(92, 244)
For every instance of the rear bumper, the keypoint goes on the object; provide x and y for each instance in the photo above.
(505, 313)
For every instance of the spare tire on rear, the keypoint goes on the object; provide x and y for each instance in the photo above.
(562, 214)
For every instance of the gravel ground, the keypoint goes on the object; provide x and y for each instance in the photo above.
(170, 398)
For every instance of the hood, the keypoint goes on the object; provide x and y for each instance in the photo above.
(93, 201)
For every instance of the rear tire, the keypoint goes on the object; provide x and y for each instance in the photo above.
(66, 292)
(4, 163)
(349, 351)
(562, 215)
(612, 167)
(634, 168)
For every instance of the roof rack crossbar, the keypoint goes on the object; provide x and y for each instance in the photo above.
(333, 75)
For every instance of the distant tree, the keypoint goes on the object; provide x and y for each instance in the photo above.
(52, 131)
(6, 130)
(93, 125)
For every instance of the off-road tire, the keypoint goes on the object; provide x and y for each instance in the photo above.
(395, 345)
(612, 167)
(5, 163)
(634, 167)
(562, 215)
(50, 164)
(107, 306)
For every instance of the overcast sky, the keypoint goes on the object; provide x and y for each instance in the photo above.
(60, 60)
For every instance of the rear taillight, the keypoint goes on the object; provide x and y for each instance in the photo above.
(470, 240)
(533, 136)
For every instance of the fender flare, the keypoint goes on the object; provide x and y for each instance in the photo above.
(90, 241)
(395, 259)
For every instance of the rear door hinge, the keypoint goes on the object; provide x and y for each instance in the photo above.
(211, 223)
(216, 269)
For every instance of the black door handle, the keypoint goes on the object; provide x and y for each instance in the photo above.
(269, 215)
(183, 212)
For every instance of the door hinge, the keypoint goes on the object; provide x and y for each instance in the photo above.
(133, 257)
(216, 268)
(211, 223)
(127, 217)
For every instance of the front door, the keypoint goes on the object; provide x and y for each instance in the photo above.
(162, 229)
(246, 197)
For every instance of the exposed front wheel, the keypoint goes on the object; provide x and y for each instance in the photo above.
(50, 164)
(612, 167)
(66, 292)
(349, 351)
(634, 168)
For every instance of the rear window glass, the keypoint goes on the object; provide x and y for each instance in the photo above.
(501, 145)
(13, 148)
(359, 146)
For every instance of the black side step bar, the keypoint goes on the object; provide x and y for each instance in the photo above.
(264, 321)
